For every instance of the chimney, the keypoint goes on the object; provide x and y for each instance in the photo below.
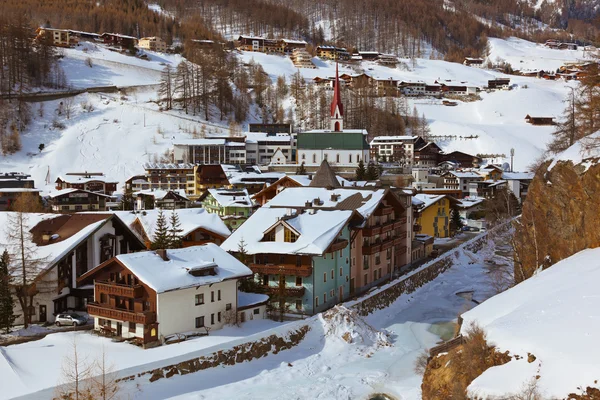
(163, 254)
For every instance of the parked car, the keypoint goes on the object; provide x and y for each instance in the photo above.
(70, 319)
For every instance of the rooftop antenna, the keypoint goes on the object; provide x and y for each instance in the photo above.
(512, 157)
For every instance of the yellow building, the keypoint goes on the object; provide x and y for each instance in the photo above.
(434, 214)
(153, 43)
(58, 37)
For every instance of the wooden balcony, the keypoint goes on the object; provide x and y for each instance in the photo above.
(372, 231)
(116, 289)
(371, 249)
(101, 311)
(337, 245)
(387, 244)
(387, 227)
(297, 291)
(285, 269)
(399, 223)
(386, 210)
(401, 250)
(416, 228)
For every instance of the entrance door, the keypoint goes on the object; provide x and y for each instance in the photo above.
(43, 316)
(341, 292)
(119, 329)
(351, 285)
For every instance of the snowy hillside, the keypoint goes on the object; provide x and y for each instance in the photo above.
(554, 316)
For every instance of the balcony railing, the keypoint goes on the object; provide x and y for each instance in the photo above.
(282, 269)
(97, 310)
(288, 291)
(117, 289)
(384, 210)
(401, 250)
(371, 249)
(338, 245)
(416, 228)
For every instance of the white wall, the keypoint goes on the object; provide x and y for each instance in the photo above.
(331, 156)
(177, 312)
(250, 314)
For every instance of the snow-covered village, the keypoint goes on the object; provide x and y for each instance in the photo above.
(285, 199)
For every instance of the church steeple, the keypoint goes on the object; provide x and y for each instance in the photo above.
(337, 108)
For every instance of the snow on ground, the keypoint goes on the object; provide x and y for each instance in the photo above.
(523, 55)
(23, 373)
(112, 67)
(327, 366)
(552, 315)
(585, 151)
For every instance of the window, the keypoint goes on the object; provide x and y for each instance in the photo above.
(212, 296)
(314, 159)
(269, 237)
(341, 271)
(350, 158)
(199, 322)
(388, 254)
(377, 259)
(219, 316)
(199, 299)
(256, 311)
(332, 274)
(324, 298)
(298, 261)
(317, 301)
(366, 279)
(332, 293)
(212, 319)
(337, 158)
(303, 156)
(298, 281)
(103, 298)
(132, 327)
(219, 295)
(289, 236)
(324, 276)
(101, 322)
(227, 306)
(342, 253)
(325, 156)
(298, 304)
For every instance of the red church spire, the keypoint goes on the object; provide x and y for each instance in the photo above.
(337, 98)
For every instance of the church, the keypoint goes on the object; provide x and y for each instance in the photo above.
(339, 146)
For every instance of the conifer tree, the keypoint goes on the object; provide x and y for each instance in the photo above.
(372, 172)
(175, 240)
(361, 171)
(455, 221)
(161, 233)
(7, 317)
(301, 170)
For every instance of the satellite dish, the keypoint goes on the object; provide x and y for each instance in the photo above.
(506, 167)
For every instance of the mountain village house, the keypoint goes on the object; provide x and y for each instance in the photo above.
(197, 226)
(234, 206)
(56, 37)
(539, 120)
(272, 190)
(153, 43)
(90, 181)
(12, 184)
(74, 200)
(434, 214)
(473, 62)
(460, 180)
(116, 40)
(165, 199)
(68, 246)
(333, 53)
(149, 296)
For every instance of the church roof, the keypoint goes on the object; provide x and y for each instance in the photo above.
(324, 177)
(325, 140)
(337, 98)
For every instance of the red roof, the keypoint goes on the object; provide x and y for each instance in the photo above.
(337, 98)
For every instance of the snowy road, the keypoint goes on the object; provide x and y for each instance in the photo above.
(325, 367)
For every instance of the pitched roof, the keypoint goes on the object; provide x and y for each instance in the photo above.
(231, 197)
(337, 97)
(324, 177)
(321, 140)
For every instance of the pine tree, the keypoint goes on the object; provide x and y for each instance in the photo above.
(161, 233)
(455, 221)
(126, 202)
(175, 240)
(372, 172)
(7, 317)
(301, 170)
(361, 171)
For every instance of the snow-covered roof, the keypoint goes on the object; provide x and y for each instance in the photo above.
(427, 199)
(252, 177)
(465, 174)
(363, 131)
(552, 315)
(363, 201)
(164, 276)
(62, 192)
(305, 180)
(317, 231)
(255, 137)
(518, 176)
(388, 139)
(84, 179)
(168, 166)
(19, 190)
(200, 142)
(291, 41)
(231, 197)
(469, 202)
(189, 218)
(159, 194)
(250, 299)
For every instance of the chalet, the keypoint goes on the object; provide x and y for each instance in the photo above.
(369, 55)
(460, 180)
(68, 246)
(12, 184)
(469, 207)
(124, 42)
(323, 82)
(81, 35)
(397, 149)
(426, 154)
(257, 43)
(137, 183)
(422, 246)
(302, 59)
(56, 37)
(253, 182)
(491, 172)
(165, 199)
(170, 176)
(473, 62)
(285, 181)
(197, 225)
(326, 244)
(270, 128)
(420, 89)
(387, 86)
(499, 83)
(389, 60)
(234, 206)
(333, 53)
(152, 295)
(462, 160)
(518, 183)
(539, 120)
(486, 189)
(91, 181)
(153, 43)
(287, 46)
(457, 88)
(74, 200)
(433, 214)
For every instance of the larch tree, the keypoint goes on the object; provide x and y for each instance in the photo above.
(167, 86)
(567, 131)
(160, 239)
(104, 383)
(74, 381)
(7, 316)
(25, 266)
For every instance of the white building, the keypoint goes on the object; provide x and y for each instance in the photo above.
(400, 149)
(152, 295)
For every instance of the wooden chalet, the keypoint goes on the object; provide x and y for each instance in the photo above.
(473, 62)
(539, 120)
(90, 181)
(124, 42)
(499, 83)
(462, 160)
(74, 200)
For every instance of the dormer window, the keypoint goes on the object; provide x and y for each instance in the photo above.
(270, 236)
(289, 236)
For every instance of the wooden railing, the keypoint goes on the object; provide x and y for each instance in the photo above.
(100, 311)
(285, 269)
(384, 210)
(117, 289)
(288, 291)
